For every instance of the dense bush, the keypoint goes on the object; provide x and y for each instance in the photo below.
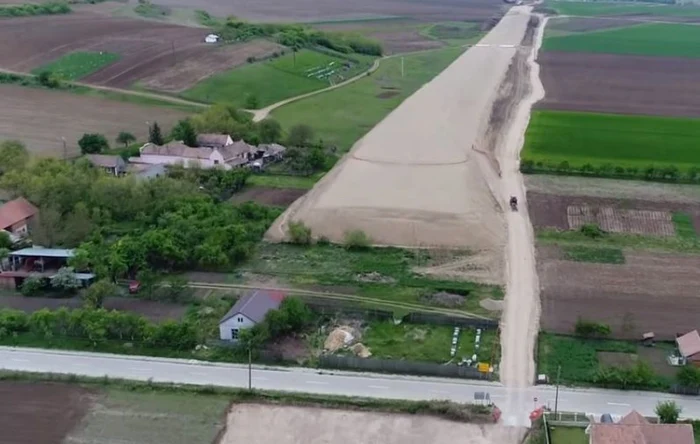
(298, 36)
(49, 8)
(641, 375)
(670, 173)
(590, 329)
(357, 240)
(299, 233)
(293, 316)
(99, 326)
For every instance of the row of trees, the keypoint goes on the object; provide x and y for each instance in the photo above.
(298, 36)
(669, 173)
(99, 326)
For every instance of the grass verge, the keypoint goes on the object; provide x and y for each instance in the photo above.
(683, 224)
(77, 65)
(454, 33)
(260, 84)
(569, 239)
(283, 181)
(617, 141)
(342, 116)
(656, 39)
(601, 255)
(443, 409)
(568, 435)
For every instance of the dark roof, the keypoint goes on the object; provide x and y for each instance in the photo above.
(104, 160)
(689, 344)
(15, 211)
(255, 305)
(212, 140)
(176, 149)
(634, 429)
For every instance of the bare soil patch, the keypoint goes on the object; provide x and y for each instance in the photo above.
(153, 310)
(251, 423)
(651, 292)
(40, 117)
(34, 413)
(146, 49)
(190, 71)
(625, 84)
(616, 215)
(278, 197)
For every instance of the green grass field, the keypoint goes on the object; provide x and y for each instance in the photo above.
(656, 39)
(77, 65)
(341, 117)
(683, 224)
(568, 435)
(601, 255)
(424, 342)
(620, 140)
(272, 80)
(283, 181)
(596, 8)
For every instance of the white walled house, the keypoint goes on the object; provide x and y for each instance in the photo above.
(249, 310)
(174, 153)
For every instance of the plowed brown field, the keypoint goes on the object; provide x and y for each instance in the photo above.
(623, 84)
(171, 57)
(33, 413)
(655, 292)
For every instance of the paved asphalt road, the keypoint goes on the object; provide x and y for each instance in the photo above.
(594, 401)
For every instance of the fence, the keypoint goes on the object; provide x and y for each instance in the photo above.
(445, 319)
(400, 367)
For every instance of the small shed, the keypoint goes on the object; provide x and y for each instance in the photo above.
(689, 347)
(249, 310)
(211, 38)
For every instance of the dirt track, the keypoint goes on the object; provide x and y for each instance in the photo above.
(415, 180)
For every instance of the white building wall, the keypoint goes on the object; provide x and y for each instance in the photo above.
(238, 321)
(187, 162)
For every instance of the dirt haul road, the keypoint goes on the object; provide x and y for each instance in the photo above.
(415, 179)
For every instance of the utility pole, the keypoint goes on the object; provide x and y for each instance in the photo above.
(250, 368)
(556, 396)
(65, 149)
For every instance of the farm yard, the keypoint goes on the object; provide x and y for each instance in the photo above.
(264, 83)
(68, 115)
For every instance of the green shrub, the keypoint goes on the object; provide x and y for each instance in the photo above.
(592, 230)
(590, 329)
(299, 233)
(357, 240)
(32, 286)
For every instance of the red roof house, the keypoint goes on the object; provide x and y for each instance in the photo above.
(635, 429)
(16, 215)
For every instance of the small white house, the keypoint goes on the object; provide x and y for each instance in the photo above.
(174, 153)
(249, 310)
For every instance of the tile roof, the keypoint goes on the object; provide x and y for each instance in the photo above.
(16, 211)
(255, 305)
(236, 149)
(634, 429)
(176, 149)
(104, 160)
(212, 140)
(689, 343)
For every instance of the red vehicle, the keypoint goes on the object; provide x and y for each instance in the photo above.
(134, 287)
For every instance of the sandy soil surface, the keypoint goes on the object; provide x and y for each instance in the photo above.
(627, 84)
(264, 424)
(40, 117)
(611, 188)
(520, 319)
(415, 179)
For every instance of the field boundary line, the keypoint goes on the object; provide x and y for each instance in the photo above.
(163, 97)
(339, 296)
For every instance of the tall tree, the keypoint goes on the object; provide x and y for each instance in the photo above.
(270, 131)
(185, 131)
(300, 135)
(125, 138)
(154, 134)
(93, 143)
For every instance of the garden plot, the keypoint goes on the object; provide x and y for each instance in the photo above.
(657, 223)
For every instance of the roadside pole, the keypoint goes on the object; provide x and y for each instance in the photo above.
(250, 368)
(556, 396)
